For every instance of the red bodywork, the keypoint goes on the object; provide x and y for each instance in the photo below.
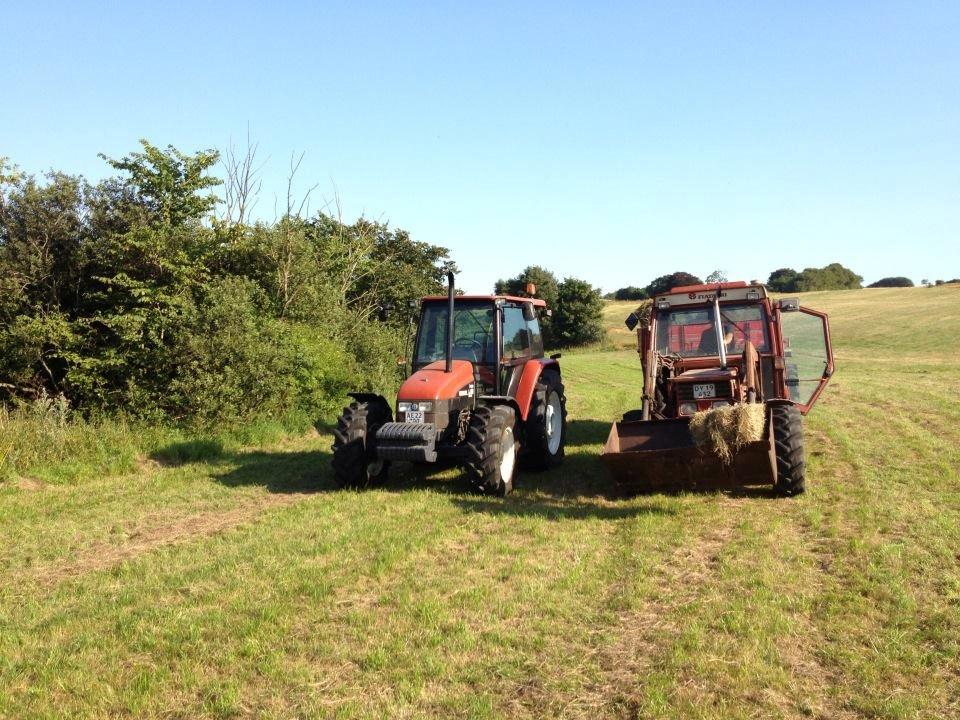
(432, 383)
(528, 383)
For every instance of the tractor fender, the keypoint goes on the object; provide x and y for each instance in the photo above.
(364, 397)
(528, 382)
(500, 400)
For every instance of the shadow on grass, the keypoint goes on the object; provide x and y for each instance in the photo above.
(280, 472)
(188, 451)
(578, 488)
(519, 505)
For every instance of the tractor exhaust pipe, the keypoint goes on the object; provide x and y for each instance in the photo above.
(449, 348)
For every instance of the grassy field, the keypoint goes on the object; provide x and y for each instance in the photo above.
(242, 585)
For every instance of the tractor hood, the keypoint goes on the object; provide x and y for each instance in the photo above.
(432, 383)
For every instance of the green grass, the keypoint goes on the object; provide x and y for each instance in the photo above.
(203, 578)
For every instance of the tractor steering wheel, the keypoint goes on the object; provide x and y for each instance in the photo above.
(468, 346)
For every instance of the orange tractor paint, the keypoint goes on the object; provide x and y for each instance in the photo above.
(708, 346)
(480, 393)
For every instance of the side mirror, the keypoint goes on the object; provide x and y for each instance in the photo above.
(789, 304)
(632, 321)
(529, 314)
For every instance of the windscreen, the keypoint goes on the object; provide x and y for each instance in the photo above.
(472, 333)
(691, 333)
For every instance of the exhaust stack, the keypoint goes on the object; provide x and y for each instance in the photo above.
(449, 348)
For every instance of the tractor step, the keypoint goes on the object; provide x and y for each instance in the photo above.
(413, 442)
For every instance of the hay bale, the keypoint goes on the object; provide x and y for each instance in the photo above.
(724, 430)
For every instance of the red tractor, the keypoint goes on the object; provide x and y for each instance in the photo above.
(712, 346)
(480, 392)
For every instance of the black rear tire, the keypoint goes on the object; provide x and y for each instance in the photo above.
(355, 463)
(549, 392)
(788, 446)
(491, 439)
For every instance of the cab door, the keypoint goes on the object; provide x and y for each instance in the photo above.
(807, 355)
(517, 348)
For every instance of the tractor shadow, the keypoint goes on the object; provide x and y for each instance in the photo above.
(276, 471)
(578, 488)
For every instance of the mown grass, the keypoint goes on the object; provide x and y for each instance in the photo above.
(233, 581)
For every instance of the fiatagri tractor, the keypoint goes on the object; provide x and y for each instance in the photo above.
(712, 346)
(480, 393)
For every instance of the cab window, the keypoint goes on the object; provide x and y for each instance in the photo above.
(517, 338)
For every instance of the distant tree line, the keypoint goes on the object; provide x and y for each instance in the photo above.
(135, 295)
(831, 277)
(892, 282)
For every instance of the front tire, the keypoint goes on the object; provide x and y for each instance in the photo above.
(492, 449)
(547, 423)
(355, 462)
(788, 447)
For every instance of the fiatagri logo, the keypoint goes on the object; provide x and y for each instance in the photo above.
(705, 296)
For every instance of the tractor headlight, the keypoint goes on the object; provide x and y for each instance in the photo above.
(720, 403)
(408, 406)
(688, 408)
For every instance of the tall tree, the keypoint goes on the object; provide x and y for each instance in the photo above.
(578, 318)
(547, 289)
(665, 283)
(783, 280)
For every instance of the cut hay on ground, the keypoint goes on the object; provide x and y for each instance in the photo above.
(724, 430)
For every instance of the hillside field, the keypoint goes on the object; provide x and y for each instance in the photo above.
(241, 584)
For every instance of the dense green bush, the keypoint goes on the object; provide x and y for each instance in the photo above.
(131, 297)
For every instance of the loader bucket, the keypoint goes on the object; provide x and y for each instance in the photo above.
(660, 454)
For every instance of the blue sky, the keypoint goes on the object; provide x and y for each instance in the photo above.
(613, 142)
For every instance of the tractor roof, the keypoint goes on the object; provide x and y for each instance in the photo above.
(696, 294)
(537, 302)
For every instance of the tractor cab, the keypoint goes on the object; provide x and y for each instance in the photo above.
(495, 334)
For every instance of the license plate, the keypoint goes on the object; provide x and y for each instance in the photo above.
(413, 416)
(707, 390)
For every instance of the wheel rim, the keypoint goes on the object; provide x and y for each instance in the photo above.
(554, 423)
(508, 456)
